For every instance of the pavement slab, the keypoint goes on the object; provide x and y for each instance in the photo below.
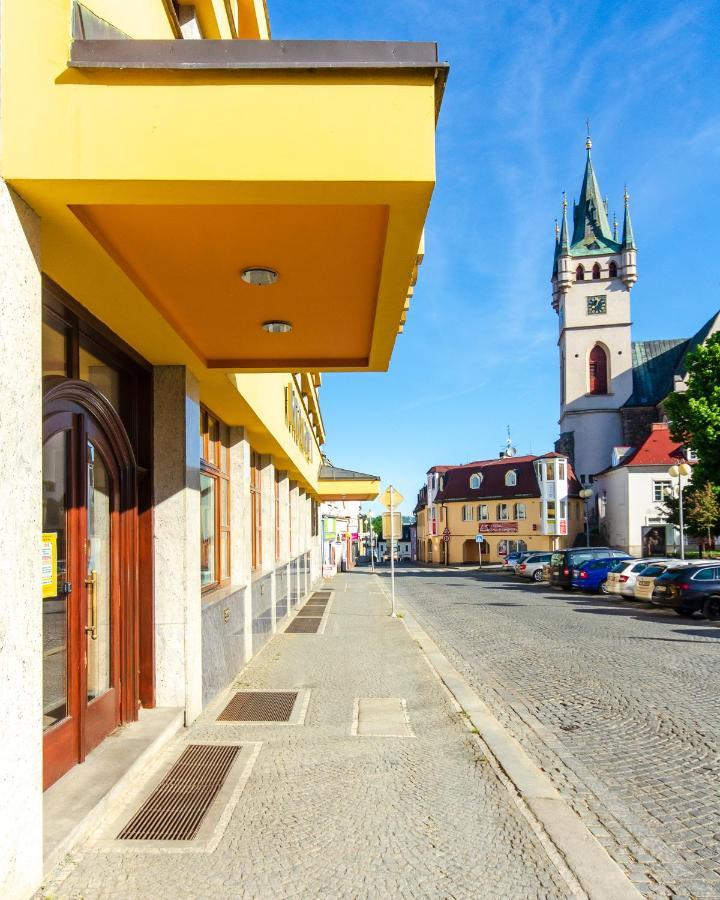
(325, 813)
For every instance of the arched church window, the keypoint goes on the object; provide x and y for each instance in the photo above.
(598, 371)
(580, 274)
(613, 269)
(596, 272)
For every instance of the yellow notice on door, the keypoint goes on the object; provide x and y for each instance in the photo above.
(48, 562)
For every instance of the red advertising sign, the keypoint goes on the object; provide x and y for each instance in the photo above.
(563, 526)
(498, 527)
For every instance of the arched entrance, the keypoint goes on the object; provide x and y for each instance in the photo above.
(90, 641)
(429, 550)
(471, 553)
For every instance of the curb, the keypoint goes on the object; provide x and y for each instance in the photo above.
(599, 876)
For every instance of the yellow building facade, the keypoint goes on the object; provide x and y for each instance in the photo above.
(515, 504)
(182, 200)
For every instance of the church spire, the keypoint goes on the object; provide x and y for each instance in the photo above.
(628, 239)
(590, 219)
(563, 243)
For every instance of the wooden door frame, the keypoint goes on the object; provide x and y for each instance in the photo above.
(82, 398)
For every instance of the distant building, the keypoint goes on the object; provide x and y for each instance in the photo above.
(515, 503)
(631, 495)
(612, 388)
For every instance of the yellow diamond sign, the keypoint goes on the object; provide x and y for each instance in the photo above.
(397, 497)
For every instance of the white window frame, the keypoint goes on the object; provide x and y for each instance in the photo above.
(503, 513)
(483, 513)
(511, 478)
(659, 486)
(475, 481)
(467, 512)
(520, 511)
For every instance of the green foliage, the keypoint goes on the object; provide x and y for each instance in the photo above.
(377, 526)
(701, 510)
(695, 414)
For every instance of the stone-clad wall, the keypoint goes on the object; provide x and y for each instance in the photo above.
(223, 642)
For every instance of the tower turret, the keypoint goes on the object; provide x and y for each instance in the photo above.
(629, 250)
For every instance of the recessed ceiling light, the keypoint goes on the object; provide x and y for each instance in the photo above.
(259, 276)
(277, 327)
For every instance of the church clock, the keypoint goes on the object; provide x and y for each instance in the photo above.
(597, 305)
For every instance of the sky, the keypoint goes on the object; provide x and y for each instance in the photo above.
(479, 350)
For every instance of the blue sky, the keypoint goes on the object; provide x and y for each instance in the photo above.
(479, 349)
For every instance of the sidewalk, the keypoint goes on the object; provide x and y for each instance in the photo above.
(328, 813)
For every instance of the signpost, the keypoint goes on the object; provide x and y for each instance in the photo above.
(479, 540)
(390, 498)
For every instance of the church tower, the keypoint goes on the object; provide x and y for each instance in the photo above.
(593, 274)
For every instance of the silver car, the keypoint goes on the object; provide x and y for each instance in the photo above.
(532, 565)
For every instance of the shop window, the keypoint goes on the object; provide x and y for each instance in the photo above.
(256, 511)
(503, 512)
(214, 501)
(598, 370)
(54, 348)
(104, 377)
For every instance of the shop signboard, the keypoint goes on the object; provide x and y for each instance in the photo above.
(329, 528)
(498, 527)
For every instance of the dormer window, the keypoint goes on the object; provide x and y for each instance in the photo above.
(511, 478)
(475, 481)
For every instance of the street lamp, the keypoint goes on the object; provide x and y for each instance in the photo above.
(678, 472)
(586, 494)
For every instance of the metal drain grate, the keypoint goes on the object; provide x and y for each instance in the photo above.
(303, 626)
(175, 809)
(320, 595)
(259, 706)
(308, 611)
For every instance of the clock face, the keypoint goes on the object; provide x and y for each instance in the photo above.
(597, 305)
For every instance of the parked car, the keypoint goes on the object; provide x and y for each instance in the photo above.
(645, 580)
(592, 575)
(689, 589)
(621, 578)
(510, 560)
(532, 566)
(564, 561)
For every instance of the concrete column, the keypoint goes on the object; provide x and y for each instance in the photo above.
(240, 526)
(284, 518)
(176, 540)
(21, 838)
(267, 488)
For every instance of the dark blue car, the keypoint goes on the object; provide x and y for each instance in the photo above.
(592, 575)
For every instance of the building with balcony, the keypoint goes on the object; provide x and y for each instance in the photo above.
(515, 504)
(182, 199)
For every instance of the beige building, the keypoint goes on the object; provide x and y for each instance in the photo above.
(514, 503)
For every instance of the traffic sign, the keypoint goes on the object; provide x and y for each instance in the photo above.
(446, 534)
(479, 539)
(397, 497)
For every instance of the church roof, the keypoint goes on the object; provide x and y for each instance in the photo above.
(654, 364)
(591, 229)
(657, 365)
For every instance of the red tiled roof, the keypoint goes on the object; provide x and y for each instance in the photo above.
(457, 480)
(658, 449)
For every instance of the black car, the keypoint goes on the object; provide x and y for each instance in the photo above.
(691, 589)
(563, 562)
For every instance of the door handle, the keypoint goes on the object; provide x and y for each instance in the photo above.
(91, 585)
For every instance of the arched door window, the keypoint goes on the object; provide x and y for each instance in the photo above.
(580, 274)
(598, 371)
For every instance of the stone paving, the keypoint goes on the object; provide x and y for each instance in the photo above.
(328, 814)
(619, 704)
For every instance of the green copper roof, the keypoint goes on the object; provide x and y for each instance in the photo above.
(628, 238)
(654, 364)
(591, 229)
(710, 327)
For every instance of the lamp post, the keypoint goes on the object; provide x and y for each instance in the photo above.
(586, 494)
(678, 472)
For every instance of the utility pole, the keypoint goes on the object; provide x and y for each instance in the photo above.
(370, 541)
(392, 551)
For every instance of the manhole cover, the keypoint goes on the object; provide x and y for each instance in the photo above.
(259, 706)
(175, 809)
(303, 626)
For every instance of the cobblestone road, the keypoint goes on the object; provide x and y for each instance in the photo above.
(325, 814)
(620, 705)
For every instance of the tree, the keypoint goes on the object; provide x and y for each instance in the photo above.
(701, 510)
(377, 526)
(695, 413)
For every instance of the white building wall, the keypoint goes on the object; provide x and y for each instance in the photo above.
(21, 819)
